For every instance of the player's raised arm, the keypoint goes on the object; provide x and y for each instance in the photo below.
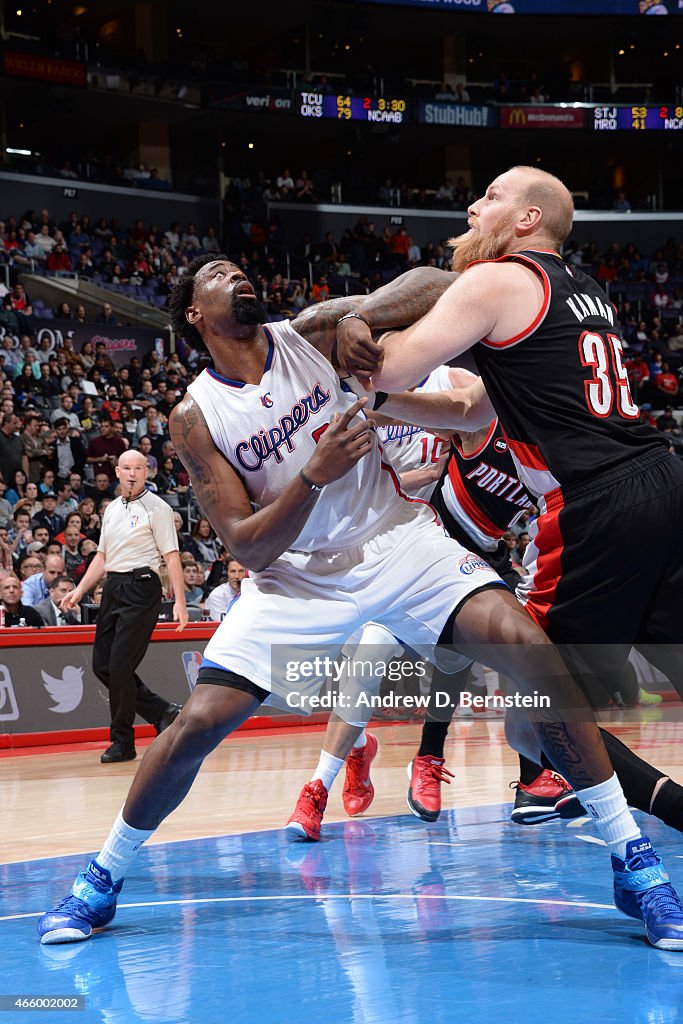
(257, 538)
(490, 300)
(466, 407)
(397, 304)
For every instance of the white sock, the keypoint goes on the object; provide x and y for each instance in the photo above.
(121, 847)
(328, 769)
(360, 741)
(607, 806)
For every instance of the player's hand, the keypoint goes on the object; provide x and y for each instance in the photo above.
(180, 615)
(356, 350)
(340, 447)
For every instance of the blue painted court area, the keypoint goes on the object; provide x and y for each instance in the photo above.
(387, 920)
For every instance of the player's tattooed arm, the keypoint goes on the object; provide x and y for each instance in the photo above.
(194, 446)
(398, 304)
(318, 323)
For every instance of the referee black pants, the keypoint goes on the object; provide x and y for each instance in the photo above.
(128, 613)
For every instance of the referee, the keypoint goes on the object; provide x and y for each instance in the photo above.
(137, 530)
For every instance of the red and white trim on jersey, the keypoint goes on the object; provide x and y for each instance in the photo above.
(538, 592)
(545, 305)
(531, 468)
(472, 455)
(393, 476)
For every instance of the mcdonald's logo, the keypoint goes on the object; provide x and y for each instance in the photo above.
(517, 117)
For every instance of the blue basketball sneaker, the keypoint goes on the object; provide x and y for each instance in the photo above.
(642, 890)
(90, 904)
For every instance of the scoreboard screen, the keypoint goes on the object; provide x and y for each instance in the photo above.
(609, 119)
(381, 109)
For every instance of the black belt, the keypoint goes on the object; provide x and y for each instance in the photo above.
(143, 573)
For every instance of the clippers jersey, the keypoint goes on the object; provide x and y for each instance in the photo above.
(268, 432)
(481, 491)
(560, 388)
(406, 447)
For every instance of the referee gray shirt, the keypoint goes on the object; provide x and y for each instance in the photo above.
(136, 533)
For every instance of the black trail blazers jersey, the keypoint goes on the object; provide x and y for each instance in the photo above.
(560, 387)
(480, 492)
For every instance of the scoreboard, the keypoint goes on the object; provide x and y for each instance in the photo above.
(379, 109)
(637, 118)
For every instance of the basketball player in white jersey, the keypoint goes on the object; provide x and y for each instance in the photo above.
(332, 544)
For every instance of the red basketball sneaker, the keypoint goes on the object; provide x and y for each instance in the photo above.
(308, 814)
(426, 774)
(358, 792)
(548, 796)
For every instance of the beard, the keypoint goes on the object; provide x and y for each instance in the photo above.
(474, 246)
(248, 311)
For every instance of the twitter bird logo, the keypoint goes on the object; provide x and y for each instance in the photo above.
(67, 692)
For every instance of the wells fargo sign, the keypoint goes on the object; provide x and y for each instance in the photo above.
(45, 69)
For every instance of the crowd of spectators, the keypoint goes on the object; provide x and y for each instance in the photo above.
(141, 260)
(59, 447)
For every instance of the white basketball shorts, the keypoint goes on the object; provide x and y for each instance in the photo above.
(409, 577)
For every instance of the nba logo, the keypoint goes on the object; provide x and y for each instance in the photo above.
(192, 661)
(9, 709)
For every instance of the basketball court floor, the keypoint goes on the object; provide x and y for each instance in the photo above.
(388, 920)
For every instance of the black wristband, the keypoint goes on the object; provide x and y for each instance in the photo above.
(313, 488)
(380, 399)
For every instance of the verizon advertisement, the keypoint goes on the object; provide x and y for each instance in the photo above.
(277, 101)
(541, 117)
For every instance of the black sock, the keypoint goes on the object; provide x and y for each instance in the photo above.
(528, 770)
(668, 804)
(433, 739)
(435, 728)
(638, 778)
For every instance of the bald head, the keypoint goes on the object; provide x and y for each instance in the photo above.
(551, 196)
(524, 208)
(132, 458)
(132, 472)
(54, 566)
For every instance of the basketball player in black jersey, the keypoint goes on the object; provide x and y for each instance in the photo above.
(474, 497)
(545, 342)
